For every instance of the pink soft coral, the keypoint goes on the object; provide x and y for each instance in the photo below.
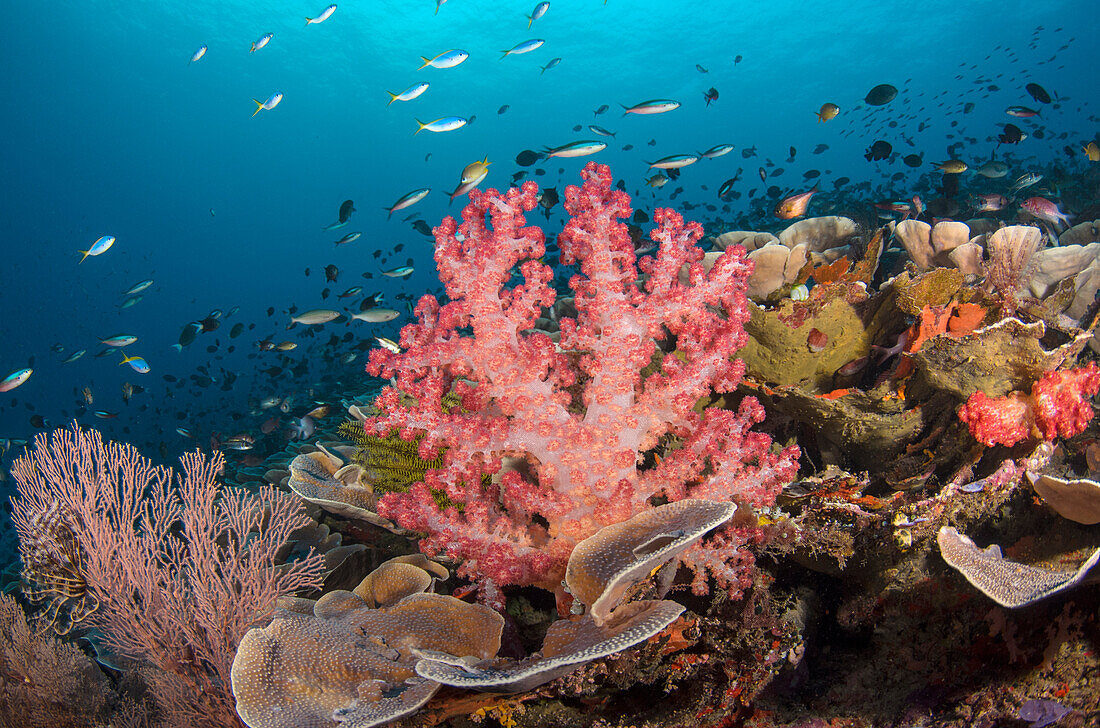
(1056, 407)
(574, 418)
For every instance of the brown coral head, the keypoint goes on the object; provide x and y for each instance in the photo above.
(338, 660)
(604, 566)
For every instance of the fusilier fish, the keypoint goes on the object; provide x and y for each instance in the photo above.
(407, 200)
(272, 101)
(263, 40)
(99, 247)
(447, 59)
(136, 363)
(410, 93)
(537, 13)
(138, 287)
(575, 149)
(399, 272)
(717, 151)
(654, 106)
(14, 379)
(447, 123)
(325, 15)
(676, 161)
(198, 54)
(120, 340)
(349, 238)
(525, 47)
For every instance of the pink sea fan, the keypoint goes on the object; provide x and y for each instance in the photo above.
(178, 568)
(575, 418)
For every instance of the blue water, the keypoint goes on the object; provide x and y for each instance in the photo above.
(109, 130)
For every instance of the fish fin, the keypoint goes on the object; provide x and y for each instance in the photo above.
(505, 55)
(309, 20)
(421, 124)
(259, 105)
(393, 97)
(86, 252)
(427, 62)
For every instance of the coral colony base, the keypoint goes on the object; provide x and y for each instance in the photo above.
(585, 463)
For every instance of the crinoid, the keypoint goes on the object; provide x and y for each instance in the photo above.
(53, 572)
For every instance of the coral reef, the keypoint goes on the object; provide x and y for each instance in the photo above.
(579, 414)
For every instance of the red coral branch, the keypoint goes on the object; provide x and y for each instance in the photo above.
(574, 417)
(1057, 407)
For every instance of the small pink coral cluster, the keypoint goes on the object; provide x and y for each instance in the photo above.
(574, 419)
(1057, 407)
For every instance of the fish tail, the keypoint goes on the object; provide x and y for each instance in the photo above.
(309, 20)
(505, 55)
(427, 62)
(421, 124)
(259, 106)
(393, 97)
(85, 252)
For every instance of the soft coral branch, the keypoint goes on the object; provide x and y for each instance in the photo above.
(574, 454)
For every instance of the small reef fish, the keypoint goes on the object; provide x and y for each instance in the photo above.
(399, 272)
(138, 287)
(1092, 151)
(711, 94)
(553, 62)
(952, 166)
(388, 344)
(184, 432)
(463, 188)
(717, 151)
(410, 93)
(198, 54)
(795, 205)
(475, 171)
(407, 200)
(264, 40)
(120, 340)
(827, 112)
(1025, 181)
(537, 13)
(376, 315)
(353, 291)
(525, 47)
(991, 202)
(272, 101)
(349, 238)
(105, 415)
(99, 247)
(654, 106)
(447, 59)
(285, 346)
(993, 169)
(136, 363)
(600, 130)
(575, 149)
(657, 180)
(316, 316)
(1021, 112)
(675, 161)
(1044, 209)
(14, 379)
(74, 356)
(325, 15)
(447, 123)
